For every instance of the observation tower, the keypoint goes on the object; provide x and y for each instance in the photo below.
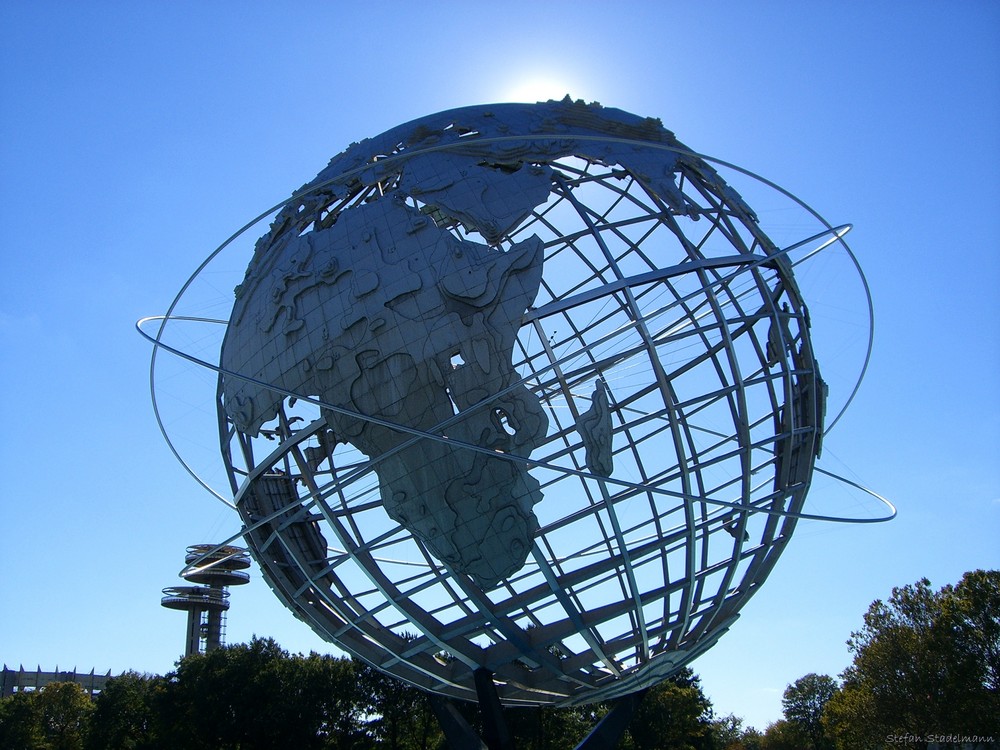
(215, 568)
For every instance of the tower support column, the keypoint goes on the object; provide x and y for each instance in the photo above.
(216, 568)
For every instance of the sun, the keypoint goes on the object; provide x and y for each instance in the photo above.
(539, 88)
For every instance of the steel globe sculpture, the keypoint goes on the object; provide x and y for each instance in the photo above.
(522, 388)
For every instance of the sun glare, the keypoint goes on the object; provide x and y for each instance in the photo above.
(540, 88)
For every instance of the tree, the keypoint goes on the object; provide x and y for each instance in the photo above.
(57, 717)
(400, 715)
(61, 713)
(674, 715)
(329, 698)
(925, 663)
(255, 695)
(728, 733)
(548, 728)
(750, 740)
(126, 713)
(20, 722)
(803, 703)
(783, 735)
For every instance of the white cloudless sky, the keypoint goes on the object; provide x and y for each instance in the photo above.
(134, 138)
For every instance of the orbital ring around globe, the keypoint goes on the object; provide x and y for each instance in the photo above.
(833, 234)
(836, 235)
(523, 388)
(419, 434)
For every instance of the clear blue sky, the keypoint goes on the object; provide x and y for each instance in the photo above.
(134, 138)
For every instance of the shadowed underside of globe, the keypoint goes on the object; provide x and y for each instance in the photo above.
(521, 387)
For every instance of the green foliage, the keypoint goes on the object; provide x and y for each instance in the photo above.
(256, 696)
(56, 717)
(803, 703)
(674, 715)
(65, 710)
(399, 716)
(728, 733)
(125, 713)
(784, 735)
(751, 739)
(20, 722)
(547, 728)
(925, 663)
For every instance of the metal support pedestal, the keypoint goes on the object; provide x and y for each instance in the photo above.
(461, 736)
(610, 729)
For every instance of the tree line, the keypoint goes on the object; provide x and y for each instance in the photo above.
(925, 670)
(257, 696)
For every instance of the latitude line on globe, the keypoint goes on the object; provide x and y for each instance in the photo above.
(537, 314)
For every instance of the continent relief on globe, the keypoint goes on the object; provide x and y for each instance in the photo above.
(667, 349)
(385, 315)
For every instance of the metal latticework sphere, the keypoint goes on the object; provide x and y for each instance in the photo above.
(522, 387)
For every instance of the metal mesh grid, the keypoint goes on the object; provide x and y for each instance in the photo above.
(693, 323)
